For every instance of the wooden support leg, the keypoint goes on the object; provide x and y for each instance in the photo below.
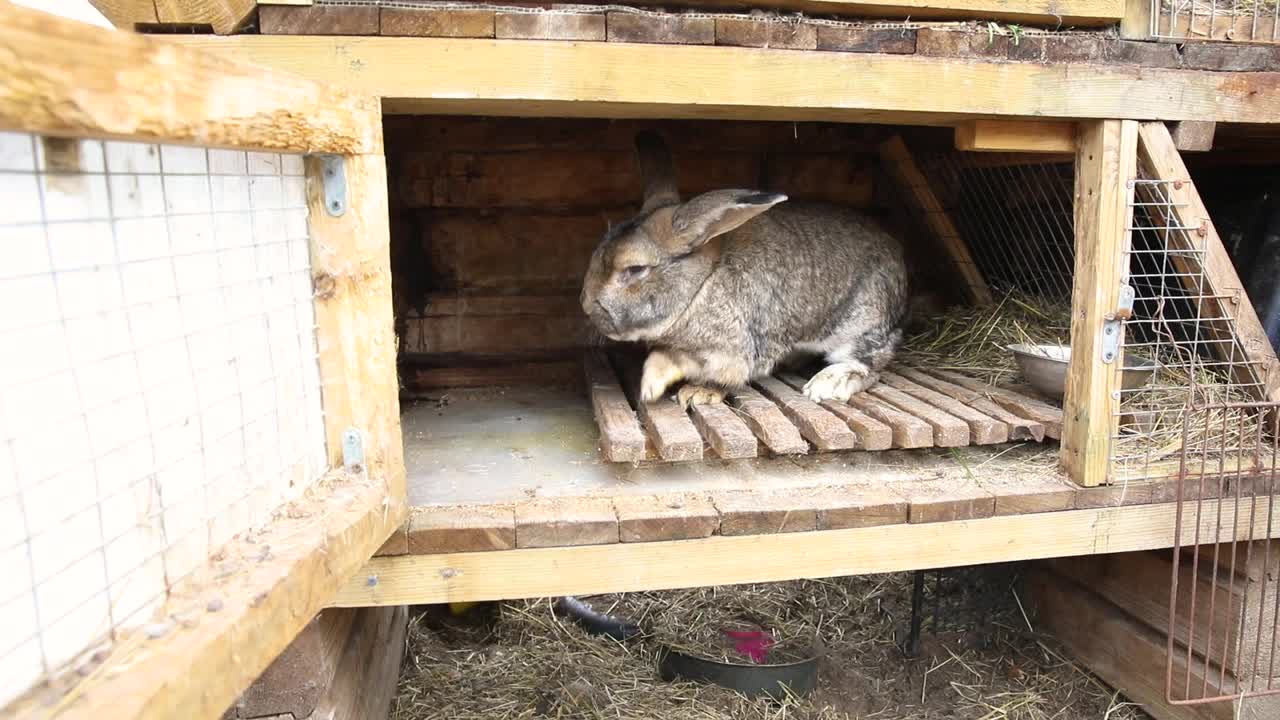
(1105, 163)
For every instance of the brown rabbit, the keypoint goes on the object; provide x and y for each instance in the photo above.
(730, 283)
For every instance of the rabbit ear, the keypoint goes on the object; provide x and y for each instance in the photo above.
(716, 213)
(656, 171)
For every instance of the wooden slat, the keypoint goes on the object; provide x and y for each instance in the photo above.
(568, 79)
(649, 518)
(1106, 161)
(1157, 152)
(948, 430)
(561, 522)
(902, 167)
(908, 431)
(945, 499)
(225, 16)
(66, 78)
(1020, 428)
(872, 434)
(628, 567)
(724, 431)
(1047, 415)
(824, 430)
(767, 422)
(1021, 494)
(621, 437)
(1022, 136)
(665, 423)
(319, 20)
(984, 429)
(755, 513)
(461, 529)
(1193, 135)
(857, 506)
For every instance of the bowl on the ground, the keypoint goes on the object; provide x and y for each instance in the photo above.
(776, 680)
(1045, 368)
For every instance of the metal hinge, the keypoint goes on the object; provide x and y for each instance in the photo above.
(333, 169)
(352, 451)
(1111, 324)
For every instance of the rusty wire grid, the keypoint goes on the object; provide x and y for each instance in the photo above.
(1238, 20)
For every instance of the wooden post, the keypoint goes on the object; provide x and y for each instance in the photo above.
(1105, 163)
(1136, 23)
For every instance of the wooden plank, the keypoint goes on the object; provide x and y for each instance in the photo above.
(628, 567)
(1019, 494)
(945, 499)
(650, 518)
(565, 79)
(318, 20)
(1106, 161)
(369, 671)
(902, 167)
(1122, 652)
(627, 27)
(1045, 12)
(908, 431)
(1047, 415)
(984, 429)
(869, 40)
(666, 424)
(724, 431)
(1020, 428)
(856, 506)
(1157, 152)
(425, 375)
(397, 544)
(1136, 23)
(621, 437)
(872, 434)
(133, 94)
(748, 32)
(560, 25)
(461, 529)
(438, 22)
(1193, 135)
(763, 513)
(127, 14)
(296, 680)
(1024, 136)
(948, 430)
(563, 522)
(826, 431)
(225, 16)
(767, 422)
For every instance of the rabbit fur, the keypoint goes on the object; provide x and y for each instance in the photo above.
(729, 284)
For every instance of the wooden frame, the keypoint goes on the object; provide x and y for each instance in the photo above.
(75, 80)
(531, 78)
(628, 567)
(224, 16)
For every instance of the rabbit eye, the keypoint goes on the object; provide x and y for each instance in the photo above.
(635, 272)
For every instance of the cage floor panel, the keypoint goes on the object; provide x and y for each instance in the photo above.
(908, 408)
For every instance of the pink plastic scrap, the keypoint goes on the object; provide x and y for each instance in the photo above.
(754, 644)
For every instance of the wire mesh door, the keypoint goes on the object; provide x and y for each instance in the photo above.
(1223, 601)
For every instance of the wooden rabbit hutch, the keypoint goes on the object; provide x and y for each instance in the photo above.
(364, 226)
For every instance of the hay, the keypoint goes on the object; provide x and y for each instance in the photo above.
(983, 662)
(974, 339)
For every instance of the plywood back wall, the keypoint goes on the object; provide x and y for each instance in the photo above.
(495, 218)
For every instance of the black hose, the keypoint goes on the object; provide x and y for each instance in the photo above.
(594, 622)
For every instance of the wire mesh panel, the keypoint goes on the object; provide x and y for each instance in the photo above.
(1239, 20)
(1180, 348)
(159, 385)
(1223, 602)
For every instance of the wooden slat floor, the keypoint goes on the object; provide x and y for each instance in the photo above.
(908, 408)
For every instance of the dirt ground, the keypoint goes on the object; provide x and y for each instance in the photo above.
(979, 656)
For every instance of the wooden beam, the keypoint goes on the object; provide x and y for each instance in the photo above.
(1045, 12)
(1136, 23)
(531, 78)
(1105, 163)
(1018, 136)
(627, 567)
(1193, 135)
(238, 613)
(225, 16)
(1158, 154)
(127, 14)
(897, 159)
(66, 78)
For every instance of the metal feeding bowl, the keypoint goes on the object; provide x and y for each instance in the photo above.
(1045, 367)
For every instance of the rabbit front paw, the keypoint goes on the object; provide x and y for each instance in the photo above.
(840, 381)
(660, 373)
(698, 395)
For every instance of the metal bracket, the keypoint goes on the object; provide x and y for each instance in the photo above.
(1111, 324)
(352, 451)
(333, 169)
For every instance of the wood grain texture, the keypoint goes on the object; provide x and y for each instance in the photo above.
(1047, 415)
(438, 22)
(127, 14)
(724, 431)
(948, 430)
(1045, 12)
(824, 430)
(1020, 428)
(867, 40)
(296, 680)
(908, 431)
(461, 529)
(650, 518)
(527, 79)
(318, 20)
(628, 567)
(1157, 152)
(901, 166)
(1026, 493)
(984, 429)
(669, 428)
(621, 437)
(1021, 136)
(225, 16)
(945, 499)
(1193, 135)
(563, 522)
(131, 93)
(1105, 162)
(767, 422)
(397, 544)
(872, 434)
(625, 27)
(745, 32)
(368, 672)
(755, 513)
(856, 506)
(550, 26)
